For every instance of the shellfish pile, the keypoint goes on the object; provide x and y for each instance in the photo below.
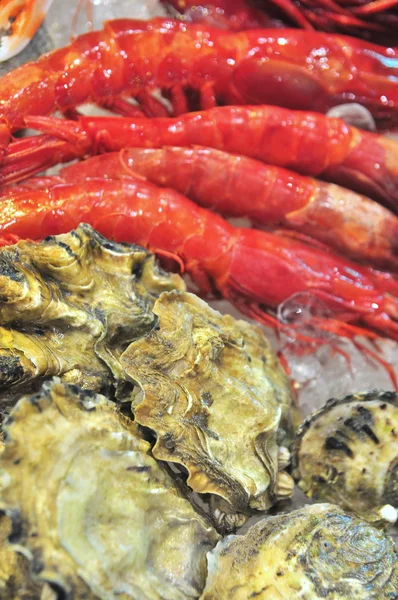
(141, 427)
(150, 446)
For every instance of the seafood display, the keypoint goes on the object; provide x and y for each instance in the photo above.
(129, 504)
(220, 258)
(294, 68)
(195, 370)
(347, 452)
(139, 427)
(316, 552)
(107, 514)
(69, 306)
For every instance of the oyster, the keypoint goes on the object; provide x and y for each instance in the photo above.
(215, 396)
(347, 453)
(15, 581)
(105, 520)
(318, 552)
(70, 305)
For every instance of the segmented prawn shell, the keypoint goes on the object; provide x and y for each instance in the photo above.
(69, 306)
(347, 453)
(217, 399)
(105, 520)
(318, 552)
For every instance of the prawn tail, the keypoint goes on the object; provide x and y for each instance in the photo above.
(60, 141)
(31, 155)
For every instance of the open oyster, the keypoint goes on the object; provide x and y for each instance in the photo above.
(215, 396)
(347, 453)
(318, 552)
(98, 516)
(70, 305)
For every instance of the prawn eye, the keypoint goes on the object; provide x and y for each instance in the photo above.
(265, 81)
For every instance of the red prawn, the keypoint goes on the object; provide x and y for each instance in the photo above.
(308, 143)
(255, 270)
(236, 186)
(199, 66)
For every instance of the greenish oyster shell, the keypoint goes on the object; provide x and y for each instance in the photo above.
(96, 514)
(347, 452)
(69, 306)
(318, 552)
(216, 397)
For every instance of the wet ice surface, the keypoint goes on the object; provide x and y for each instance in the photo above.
(60, 24)
(354, 114)
(334, 368)
(325, 371)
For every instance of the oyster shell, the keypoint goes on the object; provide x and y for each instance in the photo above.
(70, 305)
(347, 452)
(215, 395)
(105, 520)
(318, 552)
(15, 580)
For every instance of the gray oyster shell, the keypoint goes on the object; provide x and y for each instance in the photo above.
(215, 395)
(347, 452)
(316, 553)
(69, 306)
(95, 513)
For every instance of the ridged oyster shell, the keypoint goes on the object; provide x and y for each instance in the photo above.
(70, 305)
(98, 516)
(215, 396)
(347, 452)
(318, 552)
